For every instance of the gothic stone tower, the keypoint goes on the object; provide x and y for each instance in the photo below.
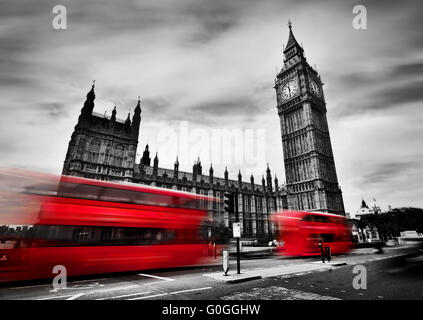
(102, 147)
(310, 171)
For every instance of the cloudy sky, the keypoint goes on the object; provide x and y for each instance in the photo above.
(206, 66)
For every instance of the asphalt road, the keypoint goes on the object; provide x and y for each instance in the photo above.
(386, 280)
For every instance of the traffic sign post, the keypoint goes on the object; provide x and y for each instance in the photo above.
(231, 206)
(236, 227)
(238, 262)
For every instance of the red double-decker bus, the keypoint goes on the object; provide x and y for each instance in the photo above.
(92, 226)
(299, 233)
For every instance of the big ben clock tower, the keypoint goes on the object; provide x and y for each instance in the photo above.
(310, 172)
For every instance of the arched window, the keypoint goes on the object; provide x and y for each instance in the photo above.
(94, 150)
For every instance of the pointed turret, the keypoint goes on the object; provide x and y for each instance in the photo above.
(88, 107)
(146, 160)
(276, 183)
(136, 120)
(269, 178)
(252, 180)
(113, 117)
(226, 176)
(155, 164)
(91, 93)
(211, 173)
(199, 167)
(292, 48)
(176, 169)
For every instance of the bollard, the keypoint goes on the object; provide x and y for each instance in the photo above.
(225, 261)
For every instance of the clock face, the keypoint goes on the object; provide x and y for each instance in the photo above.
(315, 88)
(289, 89)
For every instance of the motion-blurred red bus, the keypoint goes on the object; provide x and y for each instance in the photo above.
(91, 226)
(299, 233)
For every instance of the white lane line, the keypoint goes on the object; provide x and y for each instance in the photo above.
(76, 296)
(125, 295)
(56, 297)
(190, 290)
(156, 277)
(175, 292)
(89, 280)
(91, 292)
(132, 286)
(153, 296)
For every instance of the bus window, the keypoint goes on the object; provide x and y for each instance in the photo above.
(76, 190)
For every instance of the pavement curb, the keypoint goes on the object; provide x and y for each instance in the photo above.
(273, 272)
(231, 280)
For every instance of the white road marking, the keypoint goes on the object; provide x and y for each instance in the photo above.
(175, 292)
(56, 297)
(153, 296)
(132, 286)
(25, 287)
(76, 296)
(91, 292)
(157, 277)
(190, 290)
(125, 295)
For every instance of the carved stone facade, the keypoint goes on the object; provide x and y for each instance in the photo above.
(102, 147)
(256, 203)
(311, 179)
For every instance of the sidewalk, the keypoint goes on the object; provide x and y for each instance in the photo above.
(233, 277)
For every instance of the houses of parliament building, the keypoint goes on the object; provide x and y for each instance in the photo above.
(104, 147)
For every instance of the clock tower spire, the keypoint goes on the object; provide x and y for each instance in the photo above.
(292, 48)
(311, 179)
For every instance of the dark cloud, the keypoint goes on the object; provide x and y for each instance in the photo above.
(53, 109)
(401, 94)
(155, 106)
(393, 175)
(408, 69)
(231, 106)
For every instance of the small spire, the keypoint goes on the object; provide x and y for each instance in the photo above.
(138, 107)
(176, 162)
(292, 42)
(91, 94)
(113, 117)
